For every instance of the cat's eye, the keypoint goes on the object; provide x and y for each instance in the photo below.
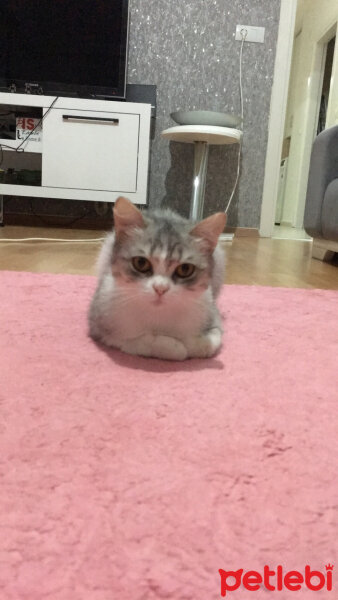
(184, 270)
(142, 264)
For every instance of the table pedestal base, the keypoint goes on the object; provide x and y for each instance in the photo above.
(199, 179)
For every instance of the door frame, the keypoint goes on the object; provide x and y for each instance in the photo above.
(279, 97)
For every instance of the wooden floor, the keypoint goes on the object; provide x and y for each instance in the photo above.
(251, 261)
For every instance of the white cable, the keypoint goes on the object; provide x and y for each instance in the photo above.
(244, 33)
(37, 239)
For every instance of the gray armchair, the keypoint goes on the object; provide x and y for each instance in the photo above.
(321, 206)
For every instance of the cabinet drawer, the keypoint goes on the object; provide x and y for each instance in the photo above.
(90, 150)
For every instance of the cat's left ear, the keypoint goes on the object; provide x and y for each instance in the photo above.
(126, 216)
(210, 229)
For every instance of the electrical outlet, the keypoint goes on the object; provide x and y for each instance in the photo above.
(254, 34)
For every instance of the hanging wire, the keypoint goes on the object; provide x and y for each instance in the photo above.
(244, 33)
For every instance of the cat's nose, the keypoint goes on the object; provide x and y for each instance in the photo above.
(160, 288)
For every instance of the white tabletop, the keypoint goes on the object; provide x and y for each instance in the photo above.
(202, 133)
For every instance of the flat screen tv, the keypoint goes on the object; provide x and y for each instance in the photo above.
(75, 47)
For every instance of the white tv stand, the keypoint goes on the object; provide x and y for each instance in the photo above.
(90, 149)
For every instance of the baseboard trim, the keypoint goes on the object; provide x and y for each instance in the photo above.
(64, 222)
(88, 222)
(243, 231)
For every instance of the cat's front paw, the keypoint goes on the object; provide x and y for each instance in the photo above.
(169, 348)
(156, 346)
(205, 345)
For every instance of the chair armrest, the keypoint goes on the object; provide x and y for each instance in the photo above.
(323, 169)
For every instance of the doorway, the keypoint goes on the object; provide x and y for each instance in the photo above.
(307, 114)
(317, 24)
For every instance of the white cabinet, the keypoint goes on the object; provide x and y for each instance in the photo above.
(104, 144)
(90, 149)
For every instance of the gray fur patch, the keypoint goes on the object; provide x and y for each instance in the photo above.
(166, 234)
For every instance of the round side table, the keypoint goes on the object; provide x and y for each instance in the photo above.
(202, 136)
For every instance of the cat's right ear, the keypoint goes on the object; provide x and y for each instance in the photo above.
(126, 216)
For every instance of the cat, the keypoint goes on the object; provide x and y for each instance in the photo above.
(158, 278)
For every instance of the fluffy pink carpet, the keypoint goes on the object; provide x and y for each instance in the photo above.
(126, 478)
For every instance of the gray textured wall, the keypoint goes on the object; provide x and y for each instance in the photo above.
(187, 48)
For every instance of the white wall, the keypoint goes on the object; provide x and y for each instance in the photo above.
(318, 25)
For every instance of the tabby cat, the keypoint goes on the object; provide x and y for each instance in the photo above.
(158, 278)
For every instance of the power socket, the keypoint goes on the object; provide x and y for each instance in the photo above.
(254, 34)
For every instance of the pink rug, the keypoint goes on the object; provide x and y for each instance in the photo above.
(126, 478)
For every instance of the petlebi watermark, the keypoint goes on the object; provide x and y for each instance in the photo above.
(276, 580)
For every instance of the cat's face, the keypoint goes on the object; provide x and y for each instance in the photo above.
(161, 263)
(161, 257)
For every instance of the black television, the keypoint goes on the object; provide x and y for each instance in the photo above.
(64, 47)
